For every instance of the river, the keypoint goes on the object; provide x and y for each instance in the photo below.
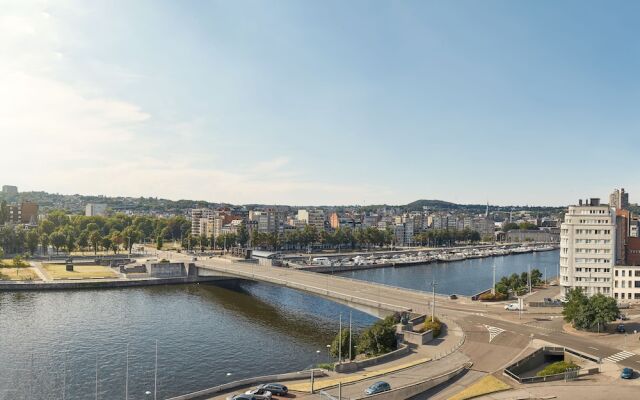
(207, 334)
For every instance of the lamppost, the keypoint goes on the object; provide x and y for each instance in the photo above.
(328, 353)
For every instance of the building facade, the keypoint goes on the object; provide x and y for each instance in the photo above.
(587, 248)
(619, 199)
(95, 209)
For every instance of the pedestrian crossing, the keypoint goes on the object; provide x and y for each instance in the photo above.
(623, 355)
(493, 332)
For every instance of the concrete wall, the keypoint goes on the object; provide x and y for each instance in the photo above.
(417, 338)
(206, 393)
(166, 270)
(356, 365)
(408, 391)
(101, 284)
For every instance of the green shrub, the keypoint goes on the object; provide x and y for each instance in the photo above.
(379, 338)
(558, 368)
(492, 297)
(327, 366)
(435, 326)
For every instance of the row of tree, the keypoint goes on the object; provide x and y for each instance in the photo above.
(518, 284)
(70, 233)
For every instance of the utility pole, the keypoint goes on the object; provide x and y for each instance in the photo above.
(340, 341)
(493, 288)
(350, 336)
(433, 304)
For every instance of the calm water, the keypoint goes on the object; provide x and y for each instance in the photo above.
(466, 277)
(203, 331)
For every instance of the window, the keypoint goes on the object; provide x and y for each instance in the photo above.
(637, 284)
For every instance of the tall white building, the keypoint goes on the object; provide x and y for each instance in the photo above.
(312, 216)
(95, 209)
(587, 248)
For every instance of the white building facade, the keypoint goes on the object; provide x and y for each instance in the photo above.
(587, 248)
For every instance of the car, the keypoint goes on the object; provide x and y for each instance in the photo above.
(512, 307)
(277, 389)
(548, 300)
(259, 393)
(453, 297)
(620, 328)
(241, 397)
(627, 373)
(377, 387)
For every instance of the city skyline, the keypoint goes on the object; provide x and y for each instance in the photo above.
(293, 103)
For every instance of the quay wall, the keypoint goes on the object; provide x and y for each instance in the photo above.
(102, 284)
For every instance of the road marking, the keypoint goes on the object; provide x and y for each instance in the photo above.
(620, 356)
(593, 348)
(493, 332)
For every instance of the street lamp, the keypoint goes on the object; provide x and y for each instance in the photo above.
(328, 353)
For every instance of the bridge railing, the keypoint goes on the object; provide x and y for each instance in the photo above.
(314, 289)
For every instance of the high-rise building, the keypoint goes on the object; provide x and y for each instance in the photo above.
(29, 213)
(9, 190)
(199, 221)
(619, 199)
(588, 248)
(95, 209)
(312, 216)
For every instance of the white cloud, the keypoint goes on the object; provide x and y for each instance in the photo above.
(70, 137)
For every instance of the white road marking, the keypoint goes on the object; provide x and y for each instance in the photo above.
(493, 332)
(593, 348)
(620, 356)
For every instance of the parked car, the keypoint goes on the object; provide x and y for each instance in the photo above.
(377, 387)
(275, 388)
(512, 307)
(627, 373)
(241, 397)
(620, 328)
(548, 300)
(259, 393)
(453, 297)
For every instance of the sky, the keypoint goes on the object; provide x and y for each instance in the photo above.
(322, 102)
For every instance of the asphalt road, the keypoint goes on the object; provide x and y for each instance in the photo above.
(404, 377)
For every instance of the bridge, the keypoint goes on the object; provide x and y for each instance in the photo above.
(375, 299)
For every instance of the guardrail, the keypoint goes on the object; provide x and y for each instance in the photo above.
(250, 381)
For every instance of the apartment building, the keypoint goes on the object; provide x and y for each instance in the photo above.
(619, 199)
(312, 216)
(588, 247)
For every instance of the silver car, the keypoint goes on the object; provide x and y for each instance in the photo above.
(259, 394)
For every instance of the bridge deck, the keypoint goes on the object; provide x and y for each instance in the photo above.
(367, 294)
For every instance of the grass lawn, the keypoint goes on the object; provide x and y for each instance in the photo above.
(58, 271)
(485, 385)
(13, 274)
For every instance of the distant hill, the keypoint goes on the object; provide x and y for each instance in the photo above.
(419, 205)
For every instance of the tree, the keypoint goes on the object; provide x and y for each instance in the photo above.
(32, 241)
(83, 240)
(340, 345)
(589, 313)
(379, 338)
(17, 264)
(95, 239)
(536, 277)
(243, 235)
(159, 242)
(575, 301)
(57, 240)
(44, 242)
(509, 226)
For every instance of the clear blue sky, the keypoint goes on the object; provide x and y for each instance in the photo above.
(332, 102)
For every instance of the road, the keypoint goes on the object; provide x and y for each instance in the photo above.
(471, 316)
(404, 377)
